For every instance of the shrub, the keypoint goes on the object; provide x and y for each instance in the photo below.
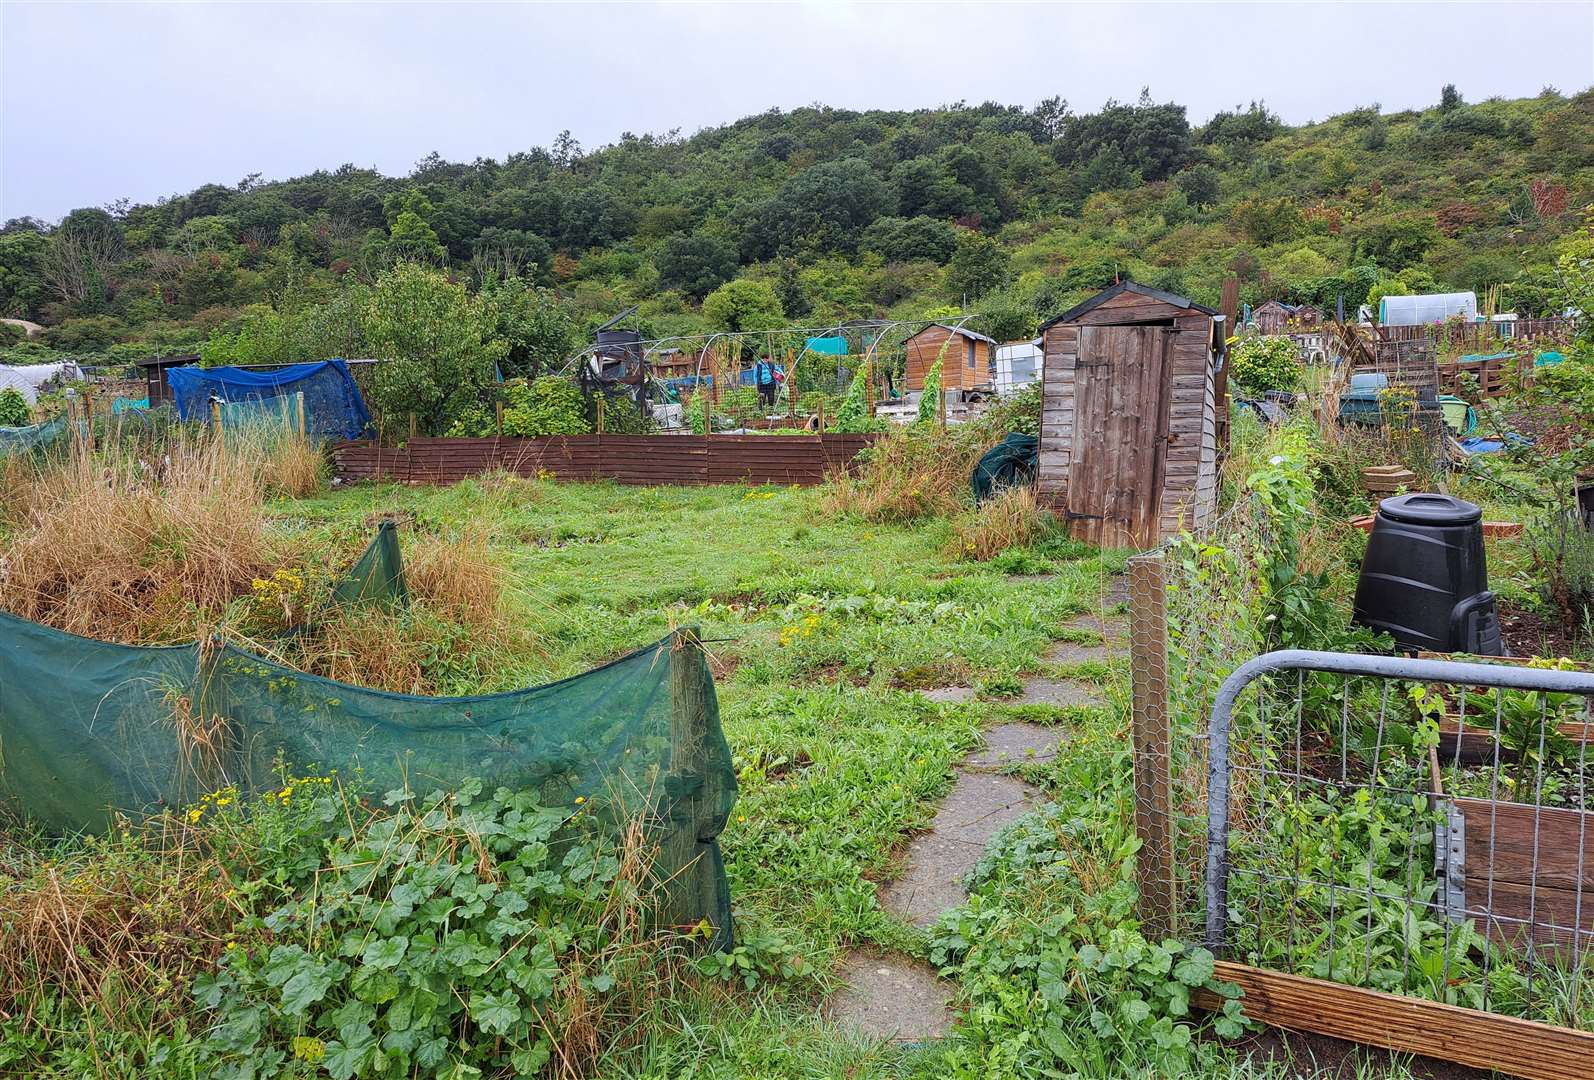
(1259, 364)
(545, 406)
(1563, 553)
(13, 408)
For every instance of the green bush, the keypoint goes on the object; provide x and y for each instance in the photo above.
(548, 406)
(13, 408)
(1259, 364)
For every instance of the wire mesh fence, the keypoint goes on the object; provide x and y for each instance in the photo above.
(1417, 826)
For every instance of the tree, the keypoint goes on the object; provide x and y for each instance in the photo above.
(820, 209)
(22, 283)
(743, 305)
(436, 345)
(696, 264)
(537, 331)
(908, 239)
(411, 239)
(1153, 139)
(1240, 129)
(979, 265)
(1199, 184)
(1450, 98)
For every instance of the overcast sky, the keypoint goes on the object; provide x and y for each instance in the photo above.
(99, 101)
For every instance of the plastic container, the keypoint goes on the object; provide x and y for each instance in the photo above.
(1424, 580)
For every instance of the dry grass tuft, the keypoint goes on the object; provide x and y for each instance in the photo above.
(458, 578)
(1011, 518)
(911, 474)
(123, 923)
(293, 467)
(139, 550)
(457, 637)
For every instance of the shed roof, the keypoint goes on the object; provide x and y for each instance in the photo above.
(167, 361)
(1171, 299)
(956, 330)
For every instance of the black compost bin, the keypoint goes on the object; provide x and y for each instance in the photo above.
(1424, 581)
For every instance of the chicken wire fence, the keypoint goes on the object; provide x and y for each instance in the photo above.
(1417, 826)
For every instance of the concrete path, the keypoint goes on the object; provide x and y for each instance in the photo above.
(889, 996)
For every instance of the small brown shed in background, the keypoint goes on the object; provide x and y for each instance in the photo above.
(1277, 317)
(969, 360)
(154, 369)
(1128, 446)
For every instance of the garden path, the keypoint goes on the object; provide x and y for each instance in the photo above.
(888, 996)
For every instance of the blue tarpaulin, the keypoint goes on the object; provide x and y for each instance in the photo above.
(333, 407)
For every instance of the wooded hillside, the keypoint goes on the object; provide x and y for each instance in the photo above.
(833, 214)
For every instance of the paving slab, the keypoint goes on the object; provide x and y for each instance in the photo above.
(1071, 652)
(890, 997)
(1015, 743)
(979, 805)
(1039, 690)
(950, 694)
(1113, 628)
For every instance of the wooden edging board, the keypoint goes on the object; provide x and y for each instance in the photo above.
(1491, 529)
(1482, 1040)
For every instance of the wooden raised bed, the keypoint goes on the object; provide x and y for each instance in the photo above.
(1527, 873)
(1491, 529)
(1408, 1025)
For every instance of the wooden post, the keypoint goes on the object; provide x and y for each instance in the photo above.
(412, 427)
(498, 412)
(791, 385)
(298, 402)
(600, 412)
(1150, 734)
(691, 889)
(215, 413)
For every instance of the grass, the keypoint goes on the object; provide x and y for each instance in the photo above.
(821, 626)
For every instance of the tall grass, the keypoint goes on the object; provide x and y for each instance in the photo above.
(907, 475)
(132, 548)
(1011, 518)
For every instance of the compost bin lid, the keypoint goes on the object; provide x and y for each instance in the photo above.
(1428, 509)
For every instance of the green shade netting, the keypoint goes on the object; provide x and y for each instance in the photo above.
(23, 440)
(88, 727)
(378, 575)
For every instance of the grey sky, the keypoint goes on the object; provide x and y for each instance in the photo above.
(99, 101)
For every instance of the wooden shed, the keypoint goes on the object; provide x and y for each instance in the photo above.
(1128, 444)
(969, 360)
(1277, 317)
(154, 370)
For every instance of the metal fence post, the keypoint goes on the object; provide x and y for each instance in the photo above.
(1150, 732)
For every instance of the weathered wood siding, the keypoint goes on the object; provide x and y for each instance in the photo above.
(626, 459)
(1177, 415)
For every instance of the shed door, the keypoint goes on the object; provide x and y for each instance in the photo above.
(1120, 426)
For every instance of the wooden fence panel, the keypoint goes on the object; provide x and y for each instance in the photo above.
(625, 459)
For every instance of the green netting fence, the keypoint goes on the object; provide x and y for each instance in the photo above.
(88, 728)
(15, 441)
